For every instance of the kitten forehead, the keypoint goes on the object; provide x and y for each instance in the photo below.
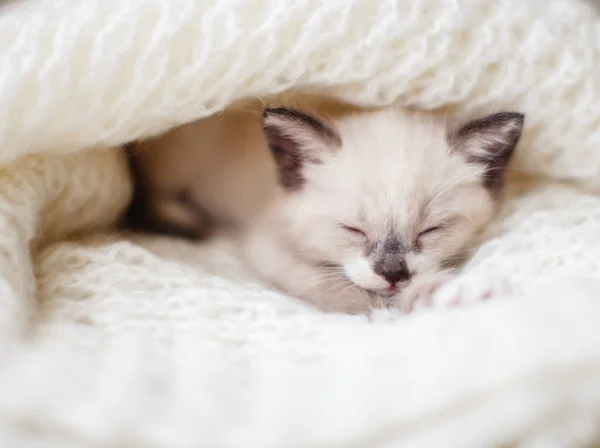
(393, 164)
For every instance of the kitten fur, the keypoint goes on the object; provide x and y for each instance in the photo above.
(212, 172)
(349, 210)
(216, 172)
(371, 201)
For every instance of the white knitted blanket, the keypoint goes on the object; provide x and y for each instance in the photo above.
(109, 341)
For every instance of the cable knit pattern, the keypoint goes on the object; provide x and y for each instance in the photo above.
(96, 73)
(118, 340)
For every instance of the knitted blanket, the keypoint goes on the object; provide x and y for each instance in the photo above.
(120, 340)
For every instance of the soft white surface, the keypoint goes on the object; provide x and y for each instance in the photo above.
(156, 342)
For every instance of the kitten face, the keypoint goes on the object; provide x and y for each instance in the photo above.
(381, 197)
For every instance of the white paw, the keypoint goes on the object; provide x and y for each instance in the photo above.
(420, 293)
(446, 290)
(469, 289)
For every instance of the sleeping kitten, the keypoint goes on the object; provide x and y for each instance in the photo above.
(364, 209)
(372, 206)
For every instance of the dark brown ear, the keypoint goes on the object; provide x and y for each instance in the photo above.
(489, 141)
(296, 139)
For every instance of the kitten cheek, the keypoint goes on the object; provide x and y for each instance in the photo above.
(359, 271)
(421, 264)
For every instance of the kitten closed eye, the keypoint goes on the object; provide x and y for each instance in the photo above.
(354, 230)
(430, 231)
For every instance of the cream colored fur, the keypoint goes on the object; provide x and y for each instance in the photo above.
(395, 171)
(394, 174)
(223, 162)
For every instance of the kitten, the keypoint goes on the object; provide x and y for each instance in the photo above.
(371, 206)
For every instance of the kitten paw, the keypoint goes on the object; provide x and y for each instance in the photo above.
(422, 291)
(469, 289)
(446, 290)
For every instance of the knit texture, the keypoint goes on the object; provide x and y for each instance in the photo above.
(122, 340)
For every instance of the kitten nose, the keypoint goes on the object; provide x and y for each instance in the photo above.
(395, 276)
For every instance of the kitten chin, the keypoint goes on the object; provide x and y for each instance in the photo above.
(373, 202)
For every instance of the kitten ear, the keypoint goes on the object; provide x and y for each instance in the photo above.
(489, 141)
(296, 139)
